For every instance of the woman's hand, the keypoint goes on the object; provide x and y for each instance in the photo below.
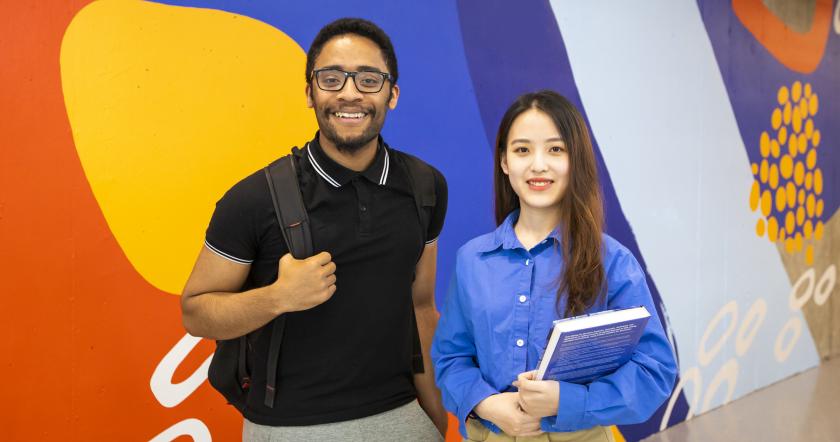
(537, 398)
(503, 410)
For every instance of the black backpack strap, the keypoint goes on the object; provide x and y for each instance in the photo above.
(283, 184)
(242, 367)
(421, 177)
(294, 224)
(422, 180)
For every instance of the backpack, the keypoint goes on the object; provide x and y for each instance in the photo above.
(228, 371)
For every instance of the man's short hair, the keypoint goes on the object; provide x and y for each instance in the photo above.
(355, 26)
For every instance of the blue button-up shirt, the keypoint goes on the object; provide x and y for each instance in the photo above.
(497, 317)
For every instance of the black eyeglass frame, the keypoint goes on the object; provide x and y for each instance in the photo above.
(385, 76)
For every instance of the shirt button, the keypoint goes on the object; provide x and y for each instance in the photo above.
(363, 208)
(528, 262)
(520, 342)
(523, 298)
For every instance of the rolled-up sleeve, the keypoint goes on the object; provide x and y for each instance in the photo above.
(635, 391)
(454, 355)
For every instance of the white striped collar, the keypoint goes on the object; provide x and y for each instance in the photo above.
(337, 175)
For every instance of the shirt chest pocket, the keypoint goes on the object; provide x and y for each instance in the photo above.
(491, 313)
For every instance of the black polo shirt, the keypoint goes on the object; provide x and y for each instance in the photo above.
(349, 357)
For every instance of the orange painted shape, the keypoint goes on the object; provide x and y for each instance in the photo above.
(797, 51)
(452, 434)
(88, 330)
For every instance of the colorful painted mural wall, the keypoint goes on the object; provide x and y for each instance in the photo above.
(716, 125)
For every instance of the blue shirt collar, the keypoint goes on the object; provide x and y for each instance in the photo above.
(505, 237)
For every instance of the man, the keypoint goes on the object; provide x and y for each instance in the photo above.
(345, 369)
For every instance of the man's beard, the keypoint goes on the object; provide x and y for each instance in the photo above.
(353, 144)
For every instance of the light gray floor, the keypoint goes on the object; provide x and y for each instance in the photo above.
(805, 407)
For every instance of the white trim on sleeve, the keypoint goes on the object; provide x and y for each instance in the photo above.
(227, 256)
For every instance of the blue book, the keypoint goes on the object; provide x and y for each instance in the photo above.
(584, 348)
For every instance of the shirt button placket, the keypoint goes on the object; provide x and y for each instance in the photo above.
(522, 316)
(363, 197)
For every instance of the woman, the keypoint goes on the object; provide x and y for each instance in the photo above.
(547, 259)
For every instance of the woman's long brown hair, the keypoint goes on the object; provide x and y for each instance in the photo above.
(582, 211)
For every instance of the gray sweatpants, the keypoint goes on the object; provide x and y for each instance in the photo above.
(408, 423)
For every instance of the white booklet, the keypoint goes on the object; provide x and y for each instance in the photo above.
(584, 348)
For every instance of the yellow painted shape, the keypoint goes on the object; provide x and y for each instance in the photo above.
(781, 199)
(791, 194)
(818, 181)
(783, 136)
(811, 159)
(170, 106)
(759, 227)
(783, 95)
(773, 178)
(776, 118)
(786, 166)
(790, 222)
(766, 203)
(799, 173)
(764, 145)
(802, 141)
(797, 121)
(796, 91)
(754, 195)
(617, 434)
(792, 147)
(772, 229)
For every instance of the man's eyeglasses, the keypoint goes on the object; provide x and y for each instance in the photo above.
(369, 82)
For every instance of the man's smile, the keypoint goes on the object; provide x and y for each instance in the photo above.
(350, 118)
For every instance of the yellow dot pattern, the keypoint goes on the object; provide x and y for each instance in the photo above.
(787, 186)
